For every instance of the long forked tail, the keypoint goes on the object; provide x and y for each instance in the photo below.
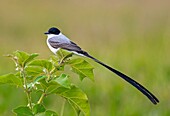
(141, 88)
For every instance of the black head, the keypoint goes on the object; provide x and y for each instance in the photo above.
(53, 30)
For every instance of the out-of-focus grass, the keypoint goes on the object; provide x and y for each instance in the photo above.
(132, 36)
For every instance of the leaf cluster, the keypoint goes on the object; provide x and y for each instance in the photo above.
(48, 77)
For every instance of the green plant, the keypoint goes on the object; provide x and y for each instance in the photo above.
(47, 76)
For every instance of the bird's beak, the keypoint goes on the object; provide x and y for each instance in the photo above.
(46, 33)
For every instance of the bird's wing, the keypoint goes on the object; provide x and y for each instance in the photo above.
(67, 46)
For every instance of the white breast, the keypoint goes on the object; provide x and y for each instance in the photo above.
(51, 48)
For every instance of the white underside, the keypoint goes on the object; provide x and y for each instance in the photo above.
(51, 48)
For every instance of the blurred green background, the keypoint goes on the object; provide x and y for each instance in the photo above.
(132, 36)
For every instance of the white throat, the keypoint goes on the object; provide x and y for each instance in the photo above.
(53, 35)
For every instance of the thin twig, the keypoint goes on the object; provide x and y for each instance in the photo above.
(41, 98)
(26, 88)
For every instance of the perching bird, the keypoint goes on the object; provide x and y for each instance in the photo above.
(56, 40)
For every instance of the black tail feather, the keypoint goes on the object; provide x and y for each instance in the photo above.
(142, 89)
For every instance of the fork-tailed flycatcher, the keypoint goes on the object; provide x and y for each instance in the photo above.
(57, 40)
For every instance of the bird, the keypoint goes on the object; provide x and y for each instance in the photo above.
(56, 40)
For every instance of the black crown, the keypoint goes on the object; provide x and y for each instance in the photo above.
(53, 30)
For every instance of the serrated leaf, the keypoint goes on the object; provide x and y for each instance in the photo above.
(10, 79)
(82, 68)
(42, 63)
(38, 108)
(23, 111)
(76, 97)
(63, 80)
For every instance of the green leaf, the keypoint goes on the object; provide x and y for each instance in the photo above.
(76, 109)
(33, 71)
(63, 81)
(38, 108)
(23, 111)
(47, 113)
(42, 63)
(21, 57)
(63, 54)
(30, 58)
(76, 97)
(39, 78)
(53, 85)
(55, 60)
(60, 68)
(51, 89)
(50, 113)
(44, 84)
(82, 68)
(10, 79)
